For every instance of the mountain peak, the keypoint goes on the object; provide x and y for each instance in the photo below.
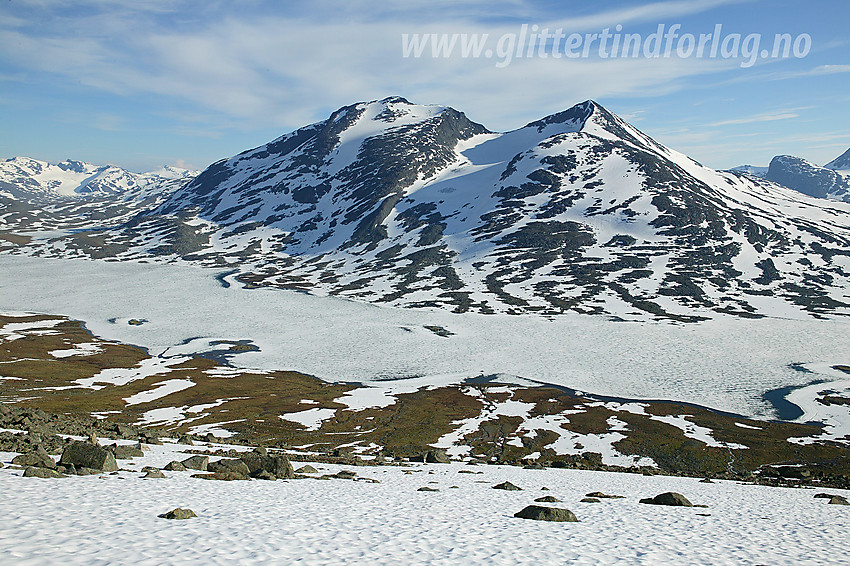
(840, 163)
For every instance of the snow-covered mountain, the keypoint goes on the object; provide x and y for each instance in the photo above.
(750, 169)
(38, 195)
(413, 205)
(840, 163)
(808, 178)
(31, 177)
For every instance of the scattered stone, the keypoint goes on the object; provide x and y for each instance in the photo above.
(85, 455)
(535, 466)
(125, 452)
(706, 480)
(548, 499)
(307, 469)
(787, 472)
(149, 468)
(259, 460)
(149, 438)
(178, 514)
(437, 457)
(154, 474)
(264, 475)
(175, 466)
(838, 500)
(590, 500)
(93, 439)
(669, 498)
(222, 476)
(468, 472)
(427, 489)
(539, 513)
(36, 472)
(38, 458)
(600, 495)
(507, 486)
(230, 466)
(196, 462)
(824, 496)
(344, 475)
(185, 440)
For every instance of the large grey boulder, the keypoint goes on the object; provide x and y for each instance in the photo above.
(178, 514)
(540, 513)
(437, 457)
(36, 472)
(279, 466)
(85, 455)
(196, 462)
(231, 466)
(669, 498)
(175, 466)
(38, 457)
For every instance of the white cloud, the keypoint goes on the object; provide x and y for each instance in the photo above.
(758, 118)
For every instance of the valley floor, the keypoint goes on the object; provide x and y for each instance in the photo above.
(113, 519)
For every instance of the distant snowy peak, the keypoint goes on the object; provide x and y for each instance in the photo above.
(840, 163)
(29, 177)
(798, 174)
(751, 170)
(418, 206)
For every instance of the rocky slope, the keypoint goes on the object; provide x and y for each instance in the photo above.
(413, 205)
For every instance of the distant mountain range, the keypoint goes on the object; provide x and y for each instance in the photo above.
(832, 181)
(418, 206)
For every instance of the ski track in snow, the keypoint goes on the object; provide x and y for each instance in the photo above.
(112, 519)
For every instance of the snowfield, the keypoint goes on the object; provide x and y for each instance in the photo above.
(725, 363)
(112, 519)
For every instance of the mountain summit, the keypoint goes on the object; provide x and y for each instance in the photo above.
(412, 205)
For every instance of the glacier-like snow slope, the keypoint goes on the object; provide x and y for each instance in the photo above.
(412, 205)
(112, 519)
(724, 363)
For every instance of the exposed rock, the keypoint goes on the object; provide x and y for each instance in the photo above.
(149, 438)
(600, 495)
(507, 486)
(229, 466)
(437, 457)
(548, 499)
(178, 514)
(38, 458)
(787, 472)
(824, 496)
(196, 462)
(85, 455)
(36, 472)
(175, 466)
(539, 513)
(278, 466)
(264, 475)
(427, 489)
(590, 500)
(185, 440)
(838, 500)
(669, 498)
(154, 474)
(125, 452)
(307, 469)
(222, 476)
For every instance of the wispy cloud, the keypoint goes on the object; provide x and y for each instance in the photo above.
(755, 119)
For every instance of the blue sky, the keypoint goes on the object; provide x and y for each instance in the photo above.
(143, 84)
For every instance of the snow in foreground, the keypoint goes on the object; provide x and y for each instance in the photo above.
(112, 519)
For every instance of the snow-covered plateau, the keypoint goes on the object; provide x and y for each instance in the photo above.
(726, 363)
(113, 519)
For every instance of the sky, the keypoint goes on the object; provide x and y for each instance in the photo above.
(141, 84)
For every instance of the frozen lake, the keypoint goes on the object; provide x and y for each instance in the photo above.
(725, 363)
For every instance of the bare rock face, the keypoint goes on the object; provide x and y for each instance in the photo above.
(540, 513)
(669, 498)
(178, 513)
(85, 455)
